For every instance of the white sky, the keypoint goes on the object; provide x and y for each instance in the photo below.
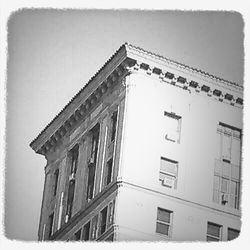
(52, 54)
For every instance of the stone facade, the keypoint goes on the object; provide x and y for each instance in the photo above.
(144, 140)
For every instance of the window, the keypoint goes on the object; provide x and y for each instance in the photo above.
(103, 221)
(110, 238)
(108, 173)
(226, 189)
(92, 161)
(232, 233)
(173, 127)
(94, 143)
(91, 178)
(86, 230)
(77, 235)
(111, 213)
(230, 138)
(168, 173)
(213, 232)
(51, 221)
(100, 223)
(74, 159)
(164, 222)
(56, 175)
(94, 227)
(71, 192)
(113, 125)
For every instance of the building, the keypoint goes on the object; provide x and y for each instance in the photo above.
(149, 149)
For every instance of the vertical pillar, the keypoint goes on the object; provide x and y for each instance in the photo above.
(43, 214)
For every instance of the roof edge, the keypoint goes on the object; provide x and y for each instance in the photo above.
(120, 54)
(182, 66)
(53, 124)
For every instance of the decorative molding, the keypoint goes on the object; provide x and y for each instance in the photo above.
(139, 51)
(128, 59)
(79, 113)
(189, 85)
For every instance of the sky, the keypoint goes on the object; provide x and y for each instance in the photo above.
(52, 54)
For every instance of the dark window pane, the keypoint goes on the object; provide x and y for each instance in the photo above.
(213, 229)
(71, 192)
(94, 227)
(78, 235)
(95, 140)
(56, 175)
(91, 179)
(163, 215)
(113, 128)
(86, 229)
(110, 238)
(162, 228)
(109, 171)
(92, 161)
(110, 213)
(74, 158)
(103, 220)
(51, 219)
(232, 233)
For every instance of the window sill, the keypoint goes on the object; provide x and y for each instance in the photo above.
(164, 236)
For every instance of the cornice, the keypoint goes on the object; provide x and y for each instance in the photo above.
(128, 59)
(139, 51)
(113, 70)
(210, 89)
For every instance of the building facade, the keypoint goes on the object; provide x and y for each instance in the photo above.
(149, 149)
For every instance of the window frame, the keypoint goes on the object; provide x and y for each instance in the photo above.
(51, 224)
(92, 161)
(56, 179)
(169, 174)
(87, 226)
(178, 118)
(234, 134)
(217, 238)
(103, 220)
(79, 231)
(90, 182)
(230, 197)
(110, 214)
(95, 139)
(110, 238)
(74, 156)
(94, 227)
(113, 125)
(169, 224)
(70, 199)
(232, 229)
(108, 178)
